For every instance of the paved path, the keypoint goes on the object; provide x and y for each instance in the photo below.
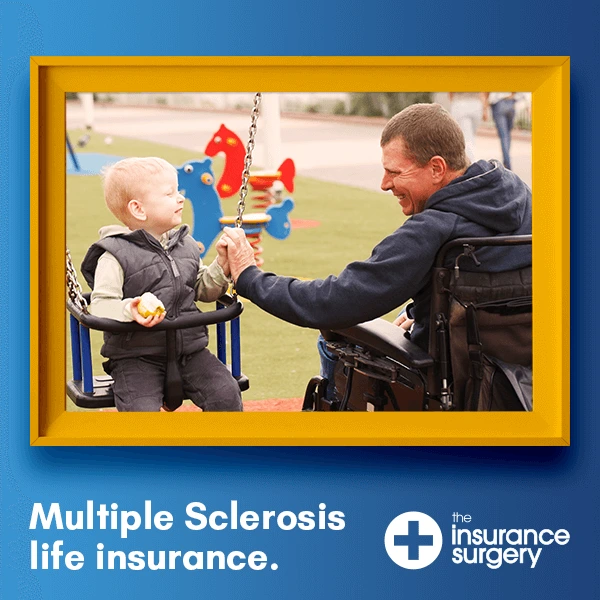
(330, 150)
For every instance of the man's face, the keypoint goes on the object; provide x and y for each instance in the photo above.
(409, 182)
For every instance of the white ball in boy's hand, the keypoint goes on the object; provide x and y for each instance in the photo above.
(108, 140)
(150, 305)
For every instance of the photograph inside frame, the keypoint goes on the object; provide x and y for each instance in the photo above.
(398, 226)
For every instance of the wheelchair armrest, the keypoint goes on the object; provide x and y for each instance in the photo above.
(387, 339)
(233, 308)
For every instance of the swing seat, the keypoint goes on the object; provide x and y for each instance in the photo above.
(479, 355)
(89, 391)
(100, 396)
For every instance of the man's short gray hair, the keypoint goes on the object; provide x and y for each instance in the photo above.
(428, 130)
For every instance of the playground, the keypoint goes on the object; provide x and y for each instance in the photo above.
(334, 220)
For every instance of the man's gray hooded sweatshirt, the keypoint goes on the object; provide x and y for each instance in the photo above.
(169, 274)
(488, 200)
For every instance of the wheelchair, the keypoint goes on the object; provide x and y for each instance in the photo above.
(89, 391)
(479, 353)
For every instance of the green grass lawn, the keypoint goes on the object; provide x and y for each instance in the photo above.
(279, 358)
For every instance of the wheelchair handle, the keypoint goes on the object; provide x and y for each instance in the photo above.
(499, 240)
(233, 308)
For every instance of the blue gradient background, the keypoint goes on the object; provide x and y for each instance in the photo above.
(546, 487)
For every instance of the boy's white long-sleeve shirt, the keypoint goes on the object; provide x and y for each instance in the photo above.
(107, 297)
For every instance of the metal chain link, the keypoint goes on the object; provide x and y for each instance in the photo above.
(74, 287)
(241, 206)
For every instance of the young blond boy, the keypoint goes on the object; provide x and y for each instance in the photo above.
(148, 255)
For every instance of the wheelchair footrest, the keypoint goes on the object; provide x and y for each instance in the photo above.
(101, 397)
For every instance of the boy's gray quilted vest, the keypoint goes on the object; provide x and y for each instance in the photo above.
(170, 275)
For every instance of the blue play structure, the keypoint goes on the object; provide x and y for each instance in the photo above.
(279, 226)
(87, 163)
(197, 184)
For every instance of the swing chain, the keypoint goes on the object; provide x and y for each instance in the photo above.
(74, 287)
(248, 160)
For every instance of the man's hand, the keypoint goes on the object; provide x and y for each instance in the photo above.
(221, 247)
(239, 251)
(150, 321)
(403, 321)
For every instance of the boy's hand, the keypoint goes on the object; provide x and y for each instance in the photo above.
(222, 259)
(150, 321)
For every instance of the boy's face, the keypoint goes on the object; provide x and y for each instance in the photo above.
(161, 203)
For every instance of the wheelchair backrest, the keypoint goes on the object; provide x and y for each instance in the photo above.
(495, 307)
(502, 303)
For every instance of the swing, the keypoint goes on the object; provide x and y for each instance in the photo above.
(89, 391)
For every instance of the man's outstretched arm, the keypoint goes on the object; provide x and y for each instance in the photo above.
(397, 269)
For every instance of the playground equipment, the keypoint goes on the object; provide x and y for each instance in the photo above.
(196, 183)
(87, 163)
(72, 154)
(227, 142)
(89, 391)
(479, 355)
(96, 392)
(274, 221)
(264, 183)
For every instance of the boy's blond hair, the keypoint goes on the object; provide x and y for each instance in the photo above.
(125, 180)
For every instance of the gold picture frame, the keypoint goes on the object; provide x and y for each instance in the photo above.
(547, 78)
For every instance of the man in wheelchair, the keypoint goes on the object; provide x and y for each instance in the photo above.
(464, 258)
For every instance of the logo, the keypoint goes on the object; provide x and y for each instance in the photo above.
(413, 540)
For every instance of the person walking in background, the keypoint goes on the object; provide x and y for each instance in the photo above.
(503, 113)
(467, 108)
